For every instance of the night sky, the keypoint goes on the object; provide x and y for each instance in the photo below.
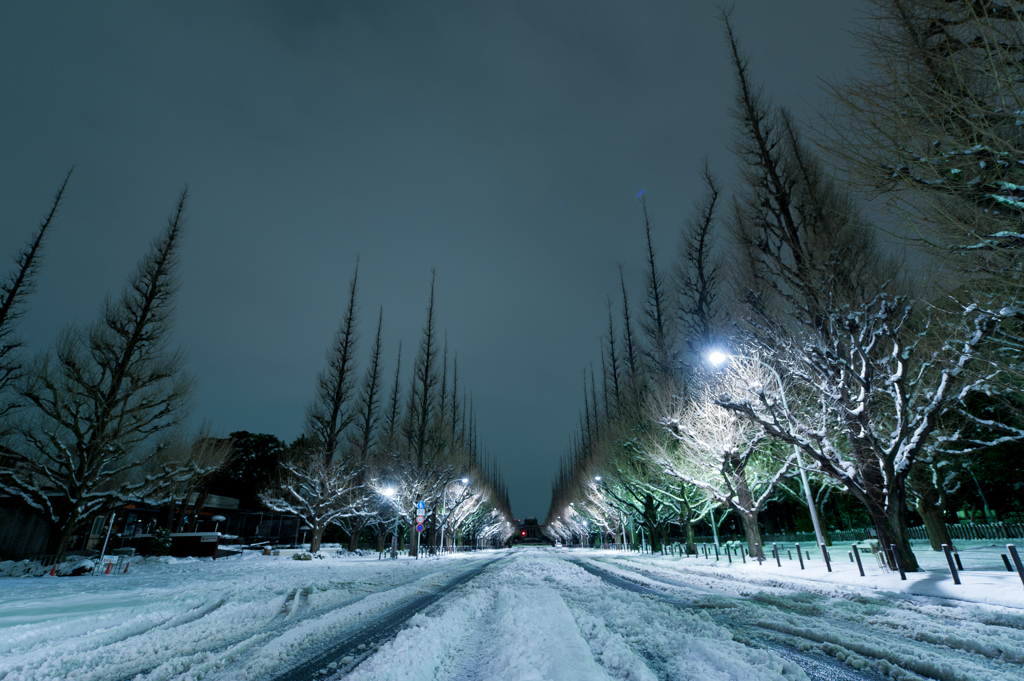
(502, 143)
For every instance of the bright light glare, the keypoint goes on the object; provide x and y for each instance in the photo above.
(597, 477)
(389, 492)
(465, 481)
(584, 523)
(717, 357)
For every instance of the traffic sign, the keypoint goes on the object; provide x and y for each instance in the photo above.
(421, 505)
(419, 519)
(419, 528)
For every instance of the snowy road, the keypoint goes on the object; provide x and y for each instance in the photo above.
(525, 614)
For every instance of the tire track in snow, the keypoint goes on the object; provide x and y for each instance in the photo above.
(346, 650)
(293, 611)
(817, 667)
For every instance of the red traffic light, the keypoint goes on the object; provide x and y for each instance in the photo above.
(524, 533)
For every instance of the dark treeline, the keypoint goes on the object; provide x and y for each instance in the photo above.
(843, 332)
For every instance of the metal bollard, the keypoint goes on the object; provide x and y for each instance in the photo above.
(856, 554)
(828, 561)
(800, 556)
(956, 558)
(790, 552)
(716, 553)
(778, 559)
(949, 561)
(899, 563)
(1016, 561)
(1006, 562)
(728, 553)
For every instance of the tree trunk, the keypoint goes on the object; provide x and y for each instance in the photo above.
(931, 505)
(61, 532)
(934, 523)
(753, 532)
(744, 505)
(314, 541)
(891, 526)
(380, 539)
(353, 539)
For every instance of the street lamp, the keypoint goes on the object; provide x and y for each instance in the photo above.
(717, 357)
(392, 493)
(305, 529)
(217, 520)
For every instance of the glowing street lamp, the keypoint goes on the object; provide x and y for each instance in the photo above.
(718, 358)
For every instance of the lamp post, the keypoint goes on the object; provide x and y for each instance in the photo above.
(305, 529)
(717, 357)
(217, 520)
(393, 494)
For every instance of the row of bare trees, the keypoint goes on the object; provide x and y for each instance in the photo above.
(872, 363)
(373, 451)
(97, 420)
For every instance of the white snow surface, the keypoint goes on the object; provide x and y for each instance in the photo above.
(536, 614)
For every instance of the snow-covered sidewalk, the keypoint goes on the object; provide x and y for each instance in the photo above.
(983, 580)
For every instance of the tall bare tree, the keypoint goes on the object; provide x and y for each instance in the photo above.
(15, 289)
(98, 402)
(331, 412)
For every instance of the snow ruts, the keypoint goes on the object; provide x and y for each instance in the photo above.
(817, 668)
(144, 643)
(912, 637)
(380, 628)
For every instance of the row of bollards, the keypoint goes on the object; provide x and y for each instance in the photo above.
(952, 558)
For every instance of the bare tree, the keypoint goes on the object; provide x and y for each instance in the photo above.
(331, 413)
(727, 457)
(15, 289)
(320, 492)
(99, 401)
(698, 273)
(933, 129)
(827, 311)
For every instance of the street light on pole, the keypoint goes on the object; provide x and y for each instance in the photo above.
(717, 357)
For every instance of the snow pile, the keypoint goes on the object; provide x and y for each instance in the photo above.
(27, 568)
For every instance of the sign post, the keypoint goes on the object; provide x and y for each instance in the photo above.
(421, 508)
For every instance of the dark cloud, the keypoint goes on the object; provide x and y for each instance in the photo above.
(503, 143)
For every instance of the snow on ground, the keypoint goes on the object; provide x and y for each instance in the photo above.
(168, 615)
(924, 627)
(983, 580)
(536, 616)
(532, 614)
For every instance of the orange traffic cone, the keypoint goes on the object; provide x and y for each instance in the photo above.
(107, 571)
(126, 568)
(53, 570)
